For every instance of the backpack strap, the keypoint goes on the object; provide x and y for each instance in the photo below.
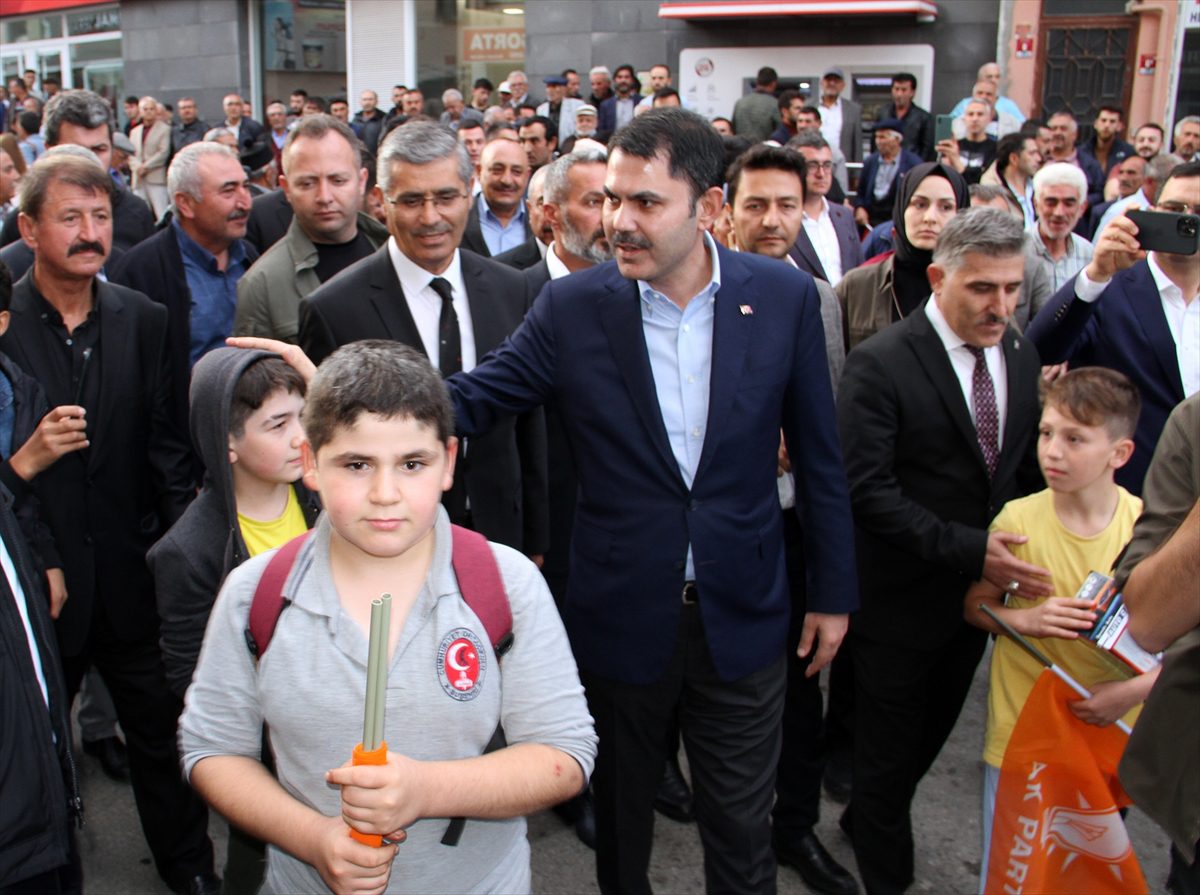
(269, 602)
(481, 587)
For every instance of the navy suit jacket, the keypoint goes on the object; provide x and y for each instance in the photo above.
(1125, 329)
(866, 182)
(805, 255)
(583, 350)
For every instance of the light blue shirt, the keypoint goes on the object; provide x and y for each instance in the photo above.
(1004, 105)
(499, 237)
(679, 342)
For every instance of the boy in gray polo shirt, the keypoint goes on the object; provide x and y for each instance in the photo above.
(380, 451)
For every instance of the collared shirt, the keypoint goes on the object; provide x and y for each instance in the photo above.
(74, 356)
(1025, 201)
(279, 139)
(1137, 200)
(624, 111)
(1078, 256)
(1183, 320)
(885, 174)
(214, 291)
(554, 264)
(963, 362)
(425, 304)
(831, 122)
(501, 237)
(825, 242)
(679, 342)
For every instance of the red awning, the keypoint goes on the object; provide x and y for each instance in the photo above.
(28, 7)
(729, 9)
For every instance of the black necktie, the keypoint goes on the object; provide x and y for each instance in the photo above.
(449, 338)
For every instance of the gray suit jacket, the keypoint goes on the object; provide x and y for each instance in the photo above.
(851, 141)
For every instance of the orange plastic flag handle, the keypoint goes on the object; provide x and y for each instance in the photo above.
(361, 756)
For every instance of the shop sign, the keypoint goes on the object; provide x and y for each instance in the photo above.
(493, 45)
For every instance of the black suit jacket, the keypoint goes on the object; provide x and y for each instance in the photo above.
(505, 470)
(918, 483)
(805, 255)
(472, 237)
(270, 217)
(106, 505)
(527, 254)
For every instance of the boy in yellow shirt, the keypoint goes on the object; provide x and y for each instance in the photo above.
(1080, 523)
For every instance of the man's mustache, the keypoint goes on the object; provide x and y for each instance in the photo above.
(86, 246)
(237, 214)
(630, 241)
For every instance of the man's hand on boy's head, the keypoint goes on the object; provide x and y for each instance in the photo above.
(1010, 574)
(348, 866)
(62, 431)
(293, 355)
(381, 799)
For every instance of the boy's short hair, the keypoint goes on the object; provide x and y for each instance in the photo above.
(375, 376)
(258, 382)
(1096, 396)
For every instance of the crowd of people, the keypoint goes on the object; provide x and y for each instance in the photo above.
(728, 415)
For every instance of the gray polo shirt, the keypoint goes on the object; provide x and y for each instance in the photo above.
(310, 686)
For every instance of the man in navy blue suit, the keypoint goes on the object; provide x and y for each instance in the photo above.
(1137, 313)
(674, 370)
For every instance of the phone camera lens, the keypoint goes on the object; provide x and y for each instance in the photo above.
(1189, 226)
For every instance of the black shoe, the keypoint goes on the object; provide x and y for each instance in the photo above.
(817, 867)
(201, 884)
(114, 760)
(674, 796)
(838, 778)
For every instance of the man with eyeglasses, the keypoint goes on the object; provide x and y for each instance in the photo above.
(456, 306)
(1136, 313)
(828, 246)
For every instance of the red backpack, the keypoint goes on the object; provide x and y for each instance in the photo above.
(479, 583)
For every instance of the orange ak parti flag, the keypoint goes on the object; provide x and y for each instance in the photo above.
(1057, 828)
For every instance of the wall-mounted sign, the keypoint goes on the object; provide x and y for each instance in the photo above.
(1024, 48)
(1147, 64)
(493, 45)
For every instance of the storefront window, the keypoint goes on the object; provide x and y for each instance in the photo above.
(31, 28)
(303, 47)
(461, 40)
(94, 21)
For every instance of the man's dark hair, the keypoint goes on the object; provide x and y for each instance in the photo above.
(1115, 110)
(1158, 127)
(694, 151)
(626, 67)
(785, 99)
(30, 122)
(484, 82)
(316, 101)
(46, 82)
(375, 376)
(82, 108)
(811, 110)
(722, 118)
(5, 287)
(734, 148)
(299, 91)
(315, 127)
(569, 71)
(498, 131)
(1010, 145)
(261, 379)
(470, 124)
(766, 158)
(664, 93)
(766, 76)
(339, 99)
(132, 100)
(905, 77)
(1096, 396)
(1186, 170)
(548, 129)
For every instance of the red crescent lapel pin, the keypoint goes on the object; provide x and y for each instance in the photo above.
(746, 310)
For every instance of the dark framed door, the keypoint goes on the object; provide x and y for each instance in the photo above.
(1084, 64)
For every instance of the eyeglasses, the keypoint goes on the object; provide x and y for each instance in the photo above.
(443, 200)
(1178, 207)
(818, 166)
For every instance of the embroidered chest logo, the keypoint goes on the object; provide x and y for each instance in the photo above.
(461, 664)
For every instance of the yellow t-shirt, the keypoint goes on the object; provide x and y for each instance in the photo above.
(261, 536)
(1070, 557)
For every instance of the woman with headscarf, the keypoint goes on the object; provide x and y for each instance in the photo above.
(879, 293)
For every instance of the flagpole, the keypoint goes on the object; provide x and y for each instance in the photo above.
(1045, 660)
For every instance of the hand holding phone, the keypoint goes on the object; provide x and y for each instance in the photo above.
(1166, 231)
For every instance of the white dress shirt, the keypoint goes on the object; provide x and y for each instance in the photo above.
(1183, 320)
(963, 362)
(425, 304)
(825, 242)
(555, 265)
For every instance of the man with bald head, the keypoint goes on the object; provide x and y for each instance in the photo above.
(499, 220)
(990, 71)
(368, 123)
